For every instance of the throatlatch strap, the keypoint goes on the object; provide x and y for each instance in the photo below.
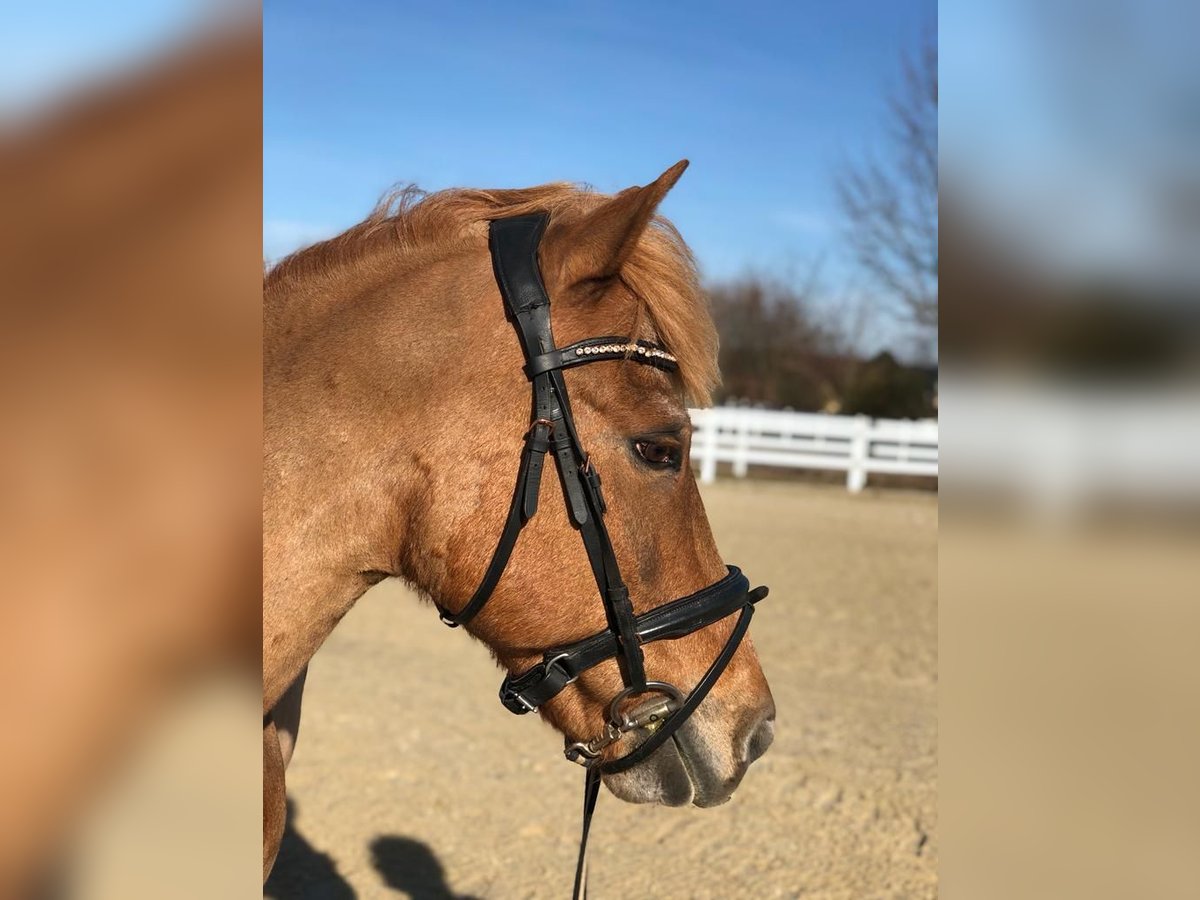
(520, 511)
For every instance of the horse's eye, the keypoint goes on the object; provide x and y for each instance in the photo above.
(659, 453)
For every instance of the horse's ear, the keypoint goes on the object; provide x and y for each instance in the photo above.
(593, 248)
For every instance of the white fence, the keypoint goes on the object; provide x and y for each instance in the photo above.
(855, 445)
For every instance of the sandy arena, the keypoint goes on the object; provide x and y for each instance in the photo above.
(404, 785)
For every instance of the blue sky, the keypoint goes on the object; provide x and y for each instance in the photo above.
(765, 99)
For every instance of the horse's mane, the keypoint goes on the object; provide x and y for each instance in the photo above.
(661, 274)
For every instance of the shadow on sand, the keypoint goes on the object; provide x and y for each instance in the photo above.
(410, 866)
(302, 872)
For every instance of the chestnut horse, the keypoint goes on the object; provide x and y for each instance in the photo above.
(395, 406)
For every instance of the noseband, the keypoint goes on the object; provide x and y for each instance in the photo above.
(663, 707)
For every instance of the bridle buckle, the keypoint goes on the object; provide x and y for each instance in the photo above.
(512, 690)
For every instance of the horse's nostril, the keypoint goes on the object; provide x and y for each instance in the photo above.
(760, 739)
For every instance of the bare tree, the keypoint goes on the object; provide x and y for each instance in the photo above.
(778, 346)
(890, 205)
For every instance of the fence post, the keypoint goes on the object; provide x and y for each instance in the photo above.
(741, 447)
(708, 456)
(856, 474)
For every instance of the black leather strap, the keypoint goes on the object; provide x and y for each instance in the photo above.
(591, 793)
(514, 246)
(598, 349)
(591, 784)
(699, 692)
(520, 511)
(559, 667)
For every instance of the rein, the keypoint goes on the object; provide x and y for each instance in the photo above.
(663, 708)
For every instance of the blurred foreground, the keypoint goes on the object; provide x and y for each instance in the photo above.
(1070, 475)
(130, 455)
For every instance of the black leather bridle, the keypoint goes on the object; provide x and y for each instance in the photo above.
(514, 247)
